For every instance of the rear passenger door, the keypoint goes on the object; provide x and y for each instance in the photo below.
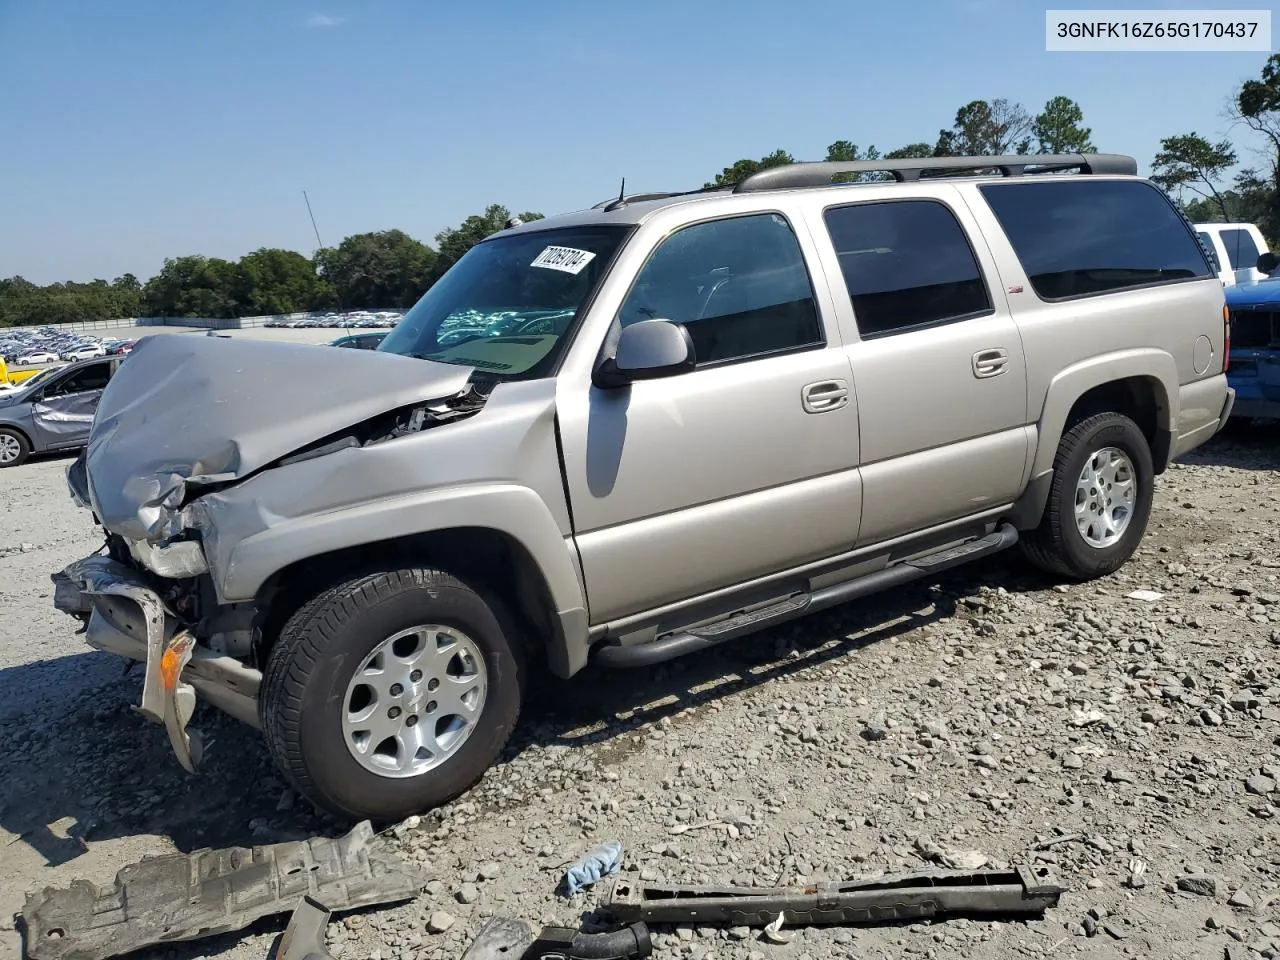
(938, 365)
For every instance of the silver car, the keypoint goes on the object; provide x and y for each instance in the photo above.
(53, 410)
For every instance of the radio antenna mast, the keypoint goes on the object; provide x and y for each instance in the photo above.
(319, 244)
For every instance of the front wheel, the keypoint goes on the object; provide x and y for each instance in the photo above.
(1099, 502)
(14, 448)
(391, 693)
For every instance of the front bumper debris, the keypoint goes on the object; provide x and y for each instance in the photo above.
(166, 698)
(177, 897)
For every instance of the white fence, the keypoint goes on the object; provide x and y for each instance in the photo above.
(202, 323)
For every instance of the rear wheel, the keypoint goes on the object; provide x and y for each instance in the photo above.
(14, 448)
(1099, 502)
(391, 693)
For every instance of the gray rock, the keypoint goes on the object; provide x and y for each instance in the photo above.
(440, 921)
(1201, 884)
(1260, 785)
(1210, 718)
(1241, 899)
(490, 870)
(1120, 776)
(467, 893)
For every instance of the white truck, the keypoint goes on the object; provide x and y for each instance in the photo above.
(1234, 249)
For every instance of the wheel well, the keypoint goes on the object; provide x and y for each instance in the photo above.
(476, 554)
(1141, 399)
(18, 430)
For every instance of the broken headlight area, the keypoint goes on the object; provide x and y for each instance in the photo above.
(174, 560)
(395, 424)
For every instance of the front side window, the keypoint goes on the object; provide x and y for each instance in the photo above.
(509, 305)
(907, 264)
(93, 377)
(1080, 238)
(739, 286)
(1242, 252)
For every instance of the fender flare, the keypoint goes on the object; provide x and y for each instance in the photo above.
(1070, 384)
(512, 510)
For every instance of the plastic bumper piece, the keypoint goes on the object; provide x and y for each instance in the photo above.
(166, 698)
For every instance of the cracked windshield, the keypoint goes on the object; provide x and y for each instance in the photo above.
(505, 308)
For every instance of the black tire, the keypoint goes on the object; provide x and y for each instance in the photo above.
(1057, 545)
(327, 640)
(8, 438)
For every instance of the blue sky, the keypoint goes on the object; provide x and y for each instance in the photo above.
(137, 129)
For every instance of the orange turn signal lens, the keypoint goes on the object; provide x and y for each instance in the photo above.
(169, 670)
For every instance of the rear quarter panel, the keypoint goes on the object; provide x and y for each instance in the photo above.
(1172, 334)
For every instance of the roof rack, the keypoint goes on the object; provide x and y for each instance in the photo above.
(819, 174)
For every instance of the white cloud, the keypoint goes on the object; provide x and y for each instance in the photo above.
(323, 20)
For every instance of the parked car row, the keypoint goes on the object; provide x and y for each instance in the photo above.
(49, 345)
(355, 318)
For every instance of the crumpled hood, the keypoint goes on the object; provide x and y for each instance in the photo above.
(188, 410)
(1255, 293)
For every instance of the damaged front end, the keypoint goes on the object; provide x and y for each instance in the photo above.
(188, 418)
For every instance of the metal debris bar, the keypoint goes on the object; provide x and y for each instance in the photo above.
(506, 938)
(887, 898)
(180, 897)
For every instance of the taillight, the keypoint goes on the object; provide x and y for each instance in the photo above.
(1226, 337)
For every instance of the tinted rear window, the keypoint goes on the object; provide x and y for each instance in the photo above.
(1078, 238)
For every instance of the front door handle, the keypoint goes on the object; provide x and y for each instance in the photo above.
(990, 363)
(824, 395)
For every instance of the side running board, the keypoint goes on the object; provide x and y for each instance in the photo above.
(788, 608)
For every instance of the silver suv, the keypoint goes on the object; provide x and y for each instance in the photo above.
(638, 431)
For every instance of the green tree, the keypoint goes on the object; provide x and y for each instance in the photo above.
(745, 168)
(986, 128)
(1257, 105)
(1058, 128)
(845, 150)
(272, 281)
(453, 242)
(192, 286)
(912, 151)
(384, 269)
(1190, 162)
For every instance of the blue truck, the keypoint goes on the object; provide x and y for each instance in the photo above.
(1254, 350)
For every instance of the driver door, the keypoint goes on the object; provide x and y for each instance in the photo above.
(63, 411)
(744, 466)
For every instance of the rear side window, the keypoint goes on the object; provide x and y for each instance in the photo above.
(1207, 242)
(907, 264)
(1242, 252)
(1079, 238)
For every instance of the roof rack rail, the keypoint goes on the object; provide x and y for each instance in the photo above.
(819, 173)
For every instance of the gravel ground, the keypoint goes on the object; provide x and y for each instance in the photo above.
(989, 712)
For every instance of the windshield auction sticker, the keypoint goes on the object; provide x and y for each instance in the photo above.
(566, 259)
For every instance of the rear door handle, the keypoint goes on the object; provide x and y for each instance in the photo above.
(990, 363)
(825, 395)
